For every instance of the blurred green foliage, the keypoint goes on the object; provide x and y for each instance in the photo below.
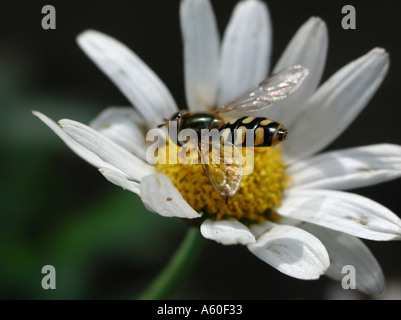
(57, 210)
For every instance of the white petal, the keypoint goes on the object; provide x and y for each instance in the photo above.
(347, 250)
(393, 289)
(125, 126)
(107, 150)
(348, 168)
(159, 195)
(201, 53)
(120, 179)
(342, 211)
(80, 150)
(141, 86)
(308, 47)
(246, 50)
(336, 104)
(227, 232)
(292, 251)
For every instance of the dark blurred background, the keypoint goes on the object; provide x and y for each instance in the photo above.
(58, 210)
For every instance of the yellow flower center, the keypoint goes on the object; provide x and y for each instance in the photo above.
(259, 192)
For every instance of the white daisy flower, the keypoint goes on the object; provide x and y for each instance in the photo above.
(289, 212)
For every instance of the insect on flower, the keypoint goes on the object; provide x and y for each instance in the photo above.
(222, 161)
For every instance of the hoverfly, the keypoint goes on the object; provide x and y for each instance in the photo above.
(225, 176)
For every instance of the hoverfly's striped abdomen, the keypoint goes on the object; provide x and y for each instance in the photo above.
(265, 132)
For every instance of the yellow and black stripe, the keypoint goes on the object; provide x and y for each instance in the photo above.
(264, 131)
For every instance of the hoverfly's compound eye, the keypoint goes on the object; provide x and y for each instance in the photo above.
(282, 134)
(176, 116)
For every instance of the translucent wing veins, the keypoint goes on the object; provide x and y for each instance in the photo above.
(225, 174)
(273, 89)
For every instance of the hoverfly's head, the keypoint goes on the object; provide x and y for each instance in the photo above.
(280, 135)
(175, 117)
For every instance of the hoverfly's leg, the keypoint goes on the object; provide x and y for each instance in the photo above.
(182, 153)
(226, 199)
(189, 172)
(181, 157)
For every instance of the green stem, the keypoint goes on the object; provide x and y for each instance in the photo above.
(177, 268)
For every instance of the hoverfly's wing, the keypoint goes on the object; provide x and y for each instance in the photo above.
(223, 167)
(273, 89)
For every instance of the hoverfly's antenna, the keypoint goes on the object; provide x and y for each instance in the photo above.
(163, 124)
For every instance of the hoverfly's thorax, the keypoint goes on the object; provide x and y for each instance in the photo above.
(198, 121)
